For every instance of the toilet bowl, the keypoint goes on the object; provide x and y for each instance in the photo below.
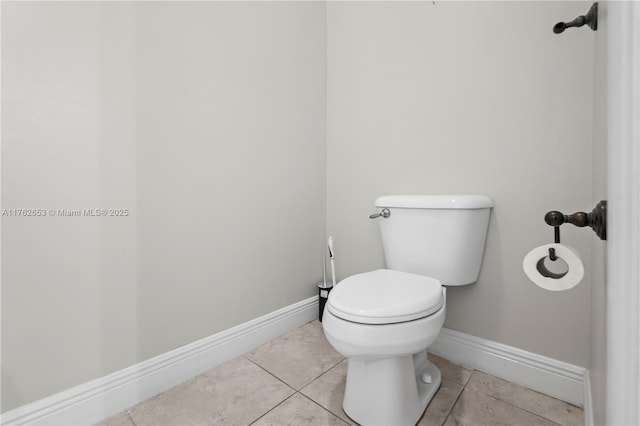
(383, 321)
(385, 336)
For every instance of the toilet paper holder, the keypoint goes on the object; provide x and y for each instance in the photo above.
(596, 220)
(590, 19)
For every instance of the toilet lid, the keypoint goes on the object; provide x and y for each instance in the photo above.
(385, 297)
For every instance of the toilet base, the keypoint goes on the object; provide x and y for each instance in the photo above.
(389, 391)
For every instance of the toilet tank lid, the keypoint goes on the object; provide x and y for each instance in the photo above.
(460, 201)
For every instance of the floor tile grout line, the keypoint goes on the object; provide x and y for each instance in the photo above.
(128, 412)
(245, 355)
(270, 373)
(321, 406)
(325, 408)
(274, 407)
(323, 373)
(512, 405)
(465, 386)
(454, 404)
(317, 378)
(517, 406)
(303, 386)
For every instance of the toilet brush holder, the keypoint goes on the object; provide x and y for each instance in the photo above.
(323, 296)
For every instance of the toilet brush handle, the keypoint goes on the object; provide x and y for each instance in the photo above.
(332, 257)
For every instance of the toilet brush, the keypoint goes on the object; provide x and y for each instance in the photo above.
(323, 290)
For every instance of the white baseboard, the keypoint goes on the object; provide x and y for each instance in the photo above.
(102, 398)
(546, 375)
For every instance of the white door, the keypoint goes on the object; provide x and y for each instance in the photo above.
(623, 233)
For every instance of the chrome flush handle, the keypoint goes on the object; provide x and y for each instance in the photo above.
(384, 213)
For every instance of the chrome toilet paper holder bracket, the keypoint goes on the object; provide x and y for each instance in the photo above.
(590, 19)
(556, 239)
(596, 220)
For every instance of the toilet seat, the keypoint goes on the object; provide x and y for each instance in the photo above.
(385, 297)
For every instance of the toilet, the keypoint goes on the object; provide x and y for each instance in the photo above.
(383, 321)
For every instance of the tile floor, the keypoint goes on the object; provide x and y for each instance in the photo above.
(298, 379)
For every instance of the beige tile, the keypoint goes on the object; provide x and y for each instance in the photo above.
(328, 390)
(237, 392)
(298, 411)
(450, 370)
(477, 409)
(298, 357)
(441, 404)
(316, 323)
(534, 402)
(121, 419)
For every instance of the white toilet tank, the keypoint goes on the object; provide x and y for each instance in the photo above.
(440, 236)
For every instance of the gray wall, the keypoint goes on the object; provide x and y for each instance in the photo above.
(207, 122)
(475, 97)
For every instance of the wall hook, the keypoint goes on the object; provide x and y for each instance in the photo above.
(590, 19)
